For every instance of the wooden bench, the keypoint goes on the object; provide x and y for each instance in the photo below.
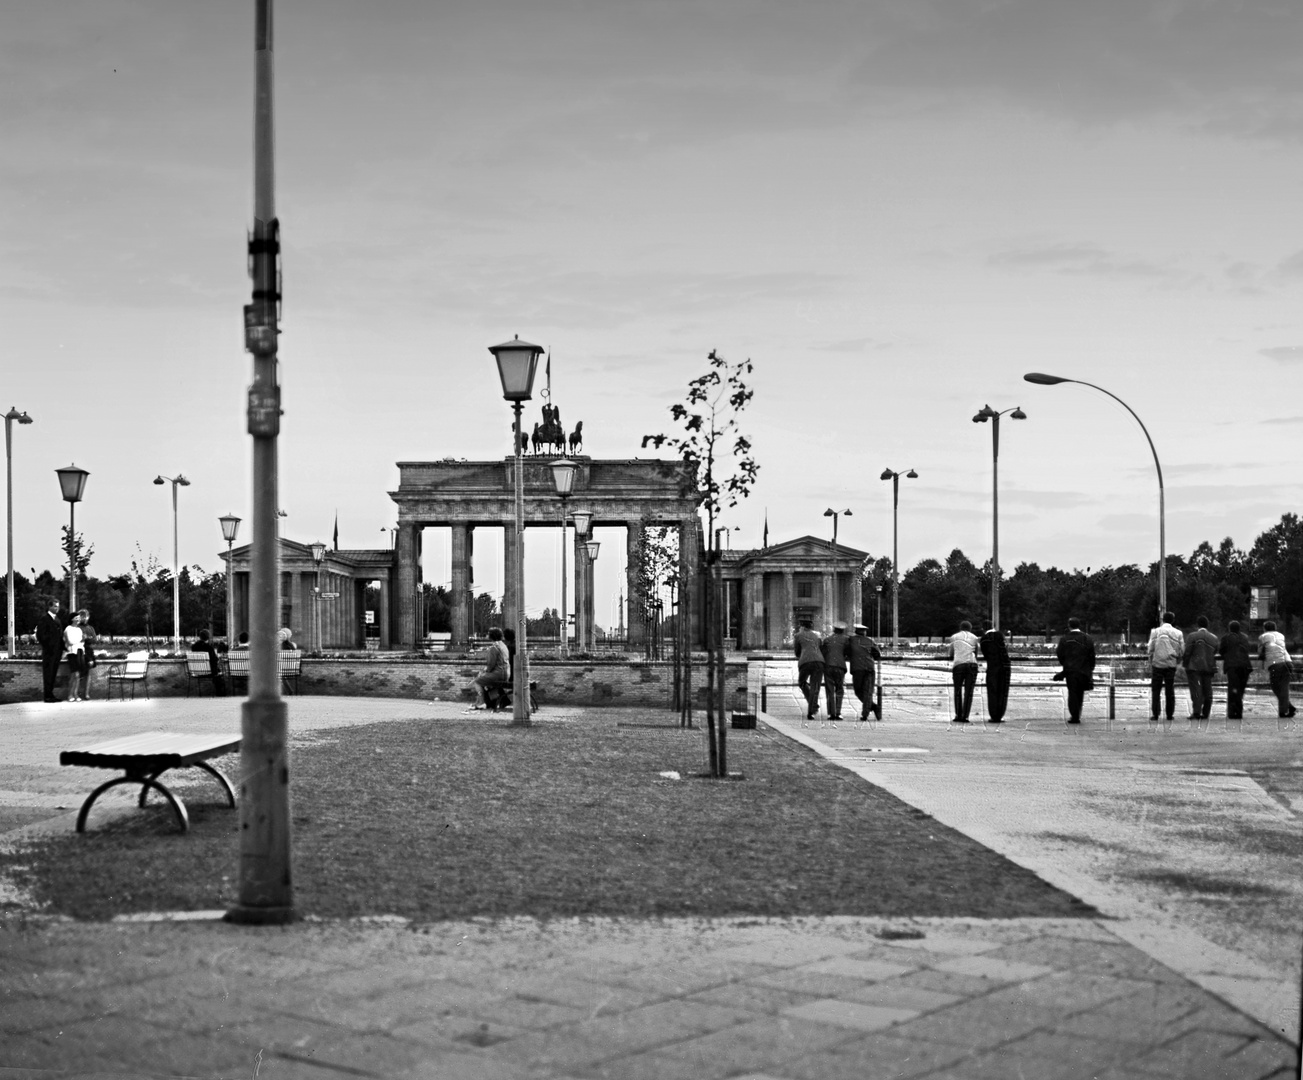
(144, 758)
(289, 665)
(198, 668)
(133, 670)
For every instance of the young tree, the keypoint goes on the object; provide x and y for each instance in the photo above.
(720, 456)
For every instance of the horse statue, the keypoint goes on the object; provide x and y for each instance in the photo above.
(524, 440)
(577, 438)
(538, 439)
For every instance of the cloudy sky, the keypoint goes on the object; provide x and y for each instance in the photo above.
(895, 208)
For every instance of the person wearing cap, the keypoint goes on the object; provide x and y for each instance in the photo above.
(809, 666)
(999, 670)
(861, 652)
(963, 659)
(834, 670)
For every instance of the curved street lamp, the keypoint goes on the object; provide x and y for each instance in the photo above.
(894, 477)
(72, 483)
(517, 363)
(22, 418)
(984, 414)
(1053, 380)
(175, 481)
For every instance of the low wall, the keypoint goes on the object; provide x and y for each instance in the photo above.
(598, 682)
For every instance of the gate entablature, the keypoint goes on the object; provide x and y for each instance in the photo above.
(635, 493)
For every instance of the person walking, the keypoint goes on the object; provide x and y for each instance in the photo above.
(963, 671)
(809, 666)
(74, 651)
(204, 644)
(49, 634)
(1199, 659)
(1275, 658)
(834, 670)
(1233, 648)
(861, 652)
(999, 670)
(1166, 644)
(1076, 652)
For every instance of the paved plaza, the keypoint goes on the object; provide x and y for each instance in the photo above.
(1180, 976)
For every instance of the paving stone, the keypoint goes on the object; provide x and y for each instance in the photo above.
(868, 970)
(877, 1057)
(786, 951)
(593, 999)
(805, 981)
(988, 967)
(458, 1066)
(1003, 1065)
(902, 997)
(851, 1014)
(1063, 954)
(949, 944)
(19, 1015)
(1070, 991)
(1209, 1055)
(945, 982)
(761, 1044)
(752, 998)
(676, 980)
(524, 1013)
(969, 1024)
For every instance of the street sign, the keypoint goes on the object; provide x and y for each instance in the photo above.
(330, 596)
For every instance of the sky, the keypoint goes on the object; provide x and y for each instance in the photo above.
(893, 208)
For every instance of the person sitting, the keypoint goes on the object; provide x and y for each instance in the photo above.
(242, 642)
(286, 638)
(495, 677)
(205, 645)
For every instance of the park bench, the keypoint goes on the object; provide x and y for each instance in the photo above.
(289, 665)
(144, 758)
(198, 668)
(134, 669)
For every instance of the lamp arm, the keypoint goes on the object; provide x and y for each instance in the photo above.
(1137, 419)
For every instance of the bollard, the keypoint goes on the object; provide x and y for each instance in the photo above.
(764, 698)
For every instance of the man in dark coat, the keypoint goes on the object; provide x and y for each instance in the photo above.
(1200, 661)
(1076, 652)
(808, 647)
(205, 645)
(834, 670)
(49, 633)
(861, 652)
(999, 670)
(1237, 662)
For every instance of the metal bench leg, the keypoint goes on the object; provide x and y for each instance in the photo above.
(146, 783)
(221, 779)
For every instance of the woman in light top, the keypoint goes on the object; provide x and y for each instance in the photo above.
(74, 651)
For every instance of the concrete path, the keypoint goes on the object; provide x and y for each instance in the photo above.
(799, 999)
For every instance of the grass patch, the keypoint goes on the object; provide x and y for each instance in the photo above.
(472, 818)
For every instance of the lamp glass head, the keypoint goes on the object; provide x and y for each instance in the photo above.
(1018, 414)
(1043, 379)
(517, 362)
(583, 518)
(563, 476)
(230, 527)
(72, 482)
(912, 475)
(887, 474)
(593, 547)
(318, 551)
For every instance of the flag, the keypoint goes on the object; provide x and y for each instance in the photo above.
(548, 372)
(336, 530)
(766, 543)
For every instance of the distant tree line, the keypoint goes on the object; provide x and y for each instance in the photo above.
(936, 596)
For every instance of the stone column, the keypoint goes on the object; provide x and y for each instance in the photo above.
(460, 584)
(635, 618)
(829, 583)
(785, 627)
(509, 598)
(403, 626)
(752, 623)
(856, 586)
(690, 586)
(579, 560)
(385, 614)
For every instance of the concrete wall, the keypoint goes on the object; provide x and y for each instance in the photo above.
(618, 683)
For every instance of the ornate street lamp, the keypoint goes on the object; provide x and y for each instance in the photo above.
(318, 550)
(894, 477)
(517, 363)
(175, 481)
(591, 548)
(563, 479)
(230, 529)
(1053, 380)
(984, 414)
(72, 483)
(22, 418)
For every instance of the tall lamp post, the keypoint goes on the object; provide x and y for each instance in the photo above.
(22, 418)
(230, 529)
(877, 633)
(894, 477)
(583, 519)
(591, 548)
(1053, 380)
(984, 414)
(835, 514)
(175, 481)
(563, 478)
(517, 363)
(318, 550)
(72, 482)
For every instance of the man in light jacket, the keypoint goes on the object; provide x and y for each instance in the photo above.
(1166, 646)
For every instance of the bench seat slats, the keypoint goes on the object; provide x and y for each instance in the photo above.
(154, 749)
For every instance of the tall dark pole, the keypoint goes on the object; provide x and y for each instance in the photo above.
(266, 893)
(22, 418)
(520, 689)
(895, 560)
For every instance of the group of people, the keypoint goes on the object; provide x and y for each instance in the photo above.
(824, 661)
(964, 647)
(1198, 653)
(75, 643)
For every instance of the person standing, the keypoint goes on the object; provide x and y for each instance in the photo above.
(74, 651)
(999, 670)
(861, 652)
(1166, 644)
(1275, 658)
(1076, 652)
(834, 670)
(1199, 659)
(88, 636)
(809, 666)
(49, 634)
(205, 645)
(963, 660)
(1236, 664)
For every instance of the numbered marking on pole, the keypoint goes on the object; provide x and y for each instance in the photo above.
(264, 411)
